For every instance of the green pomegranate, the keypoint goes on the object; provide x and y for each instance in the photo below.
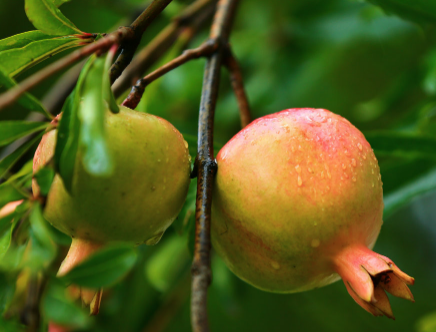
(136, 204)
(298, 204)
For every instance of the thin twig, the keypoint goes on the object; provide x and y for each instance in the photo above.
(135, 95)
(238, 86)
(206, 166)
(138, 27)
(187, 22)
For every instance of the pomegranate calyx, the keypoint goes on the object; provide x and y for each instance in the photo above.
(367, 275)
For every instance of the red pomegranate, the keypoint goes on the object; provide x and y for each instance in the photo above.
(298, 204)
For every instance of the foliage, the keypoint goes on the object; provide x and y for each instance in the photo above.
(372, 62)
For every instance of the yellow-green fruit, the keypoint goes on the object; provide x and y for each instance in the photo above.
(143, 196)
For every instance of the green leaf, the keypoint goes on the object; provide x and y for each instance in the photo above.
(168, 262)
(94, 150)
(7, 290)
(43, 249)
(59, 308)
(9, 161)
(108, 96)
(402, 144)
(16, 60)
(421, 11)
(46, 17)
(26, 100)
(57, 3)
(103, 268)
(67, 140)
(22, 39)
(44, 178)
(406, 193)
(10, 192)
(13, 130)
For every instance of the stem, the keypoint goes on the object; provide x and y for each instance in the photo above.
(138, 27)
(238, 87)
(135, 95)
(206, 166)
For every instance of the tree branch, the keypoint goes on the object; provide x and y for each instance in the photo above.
(187, 22)
(238, 87)
(206, 166)
(135, 95)
(138, 27)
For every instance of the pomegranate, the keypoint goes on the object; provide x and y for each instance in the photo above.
(136, 204)
(298, 204)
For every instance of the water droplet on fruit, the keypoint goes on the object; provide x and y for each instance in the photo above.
(315, 243)
(364, 156)
(298, 169)
(322, 174)
(328, 188)
(328, 175)
(359, 146)
(373, 184)
(372, 171)
(344, 166)
(275, 265)
(299, 147)
(154, 240)
(158, 160)
(300, 182)
(346, 152)
(186, 144)
(354, 179)
(353, 162)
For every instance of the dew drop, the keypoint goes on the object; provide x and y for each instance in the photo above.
(158, 160)
(322, 174)
(346, 151)
(300, 182)
(344, 166)
(354, 179)
(359, 146)
(310, 170)
(372, 171)
(315, 243)
(298, 169)
(373, 184)
(299, 147)
(364, 156)
(353, 162)
(328, 188)
(328, 175)
(186, 144)
(275, 265)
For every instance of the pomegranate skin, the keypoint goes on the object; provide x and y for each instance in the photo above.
(141, 199)
(292, 189)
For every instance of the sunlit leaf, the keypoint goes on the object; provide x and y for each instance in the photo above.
(402, 144)
(103, 268)
(95, 154)
(26, 100)
(46, 17)
(12, 130)
(406, 193)
(16, 60)
(22, 39)
(7, 162)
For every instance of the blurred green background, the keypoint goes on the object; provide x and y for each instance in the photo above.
(377, 70)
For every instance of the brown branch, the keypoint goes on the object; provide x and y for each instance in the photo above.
(206, 166)
(138, 27)
(238, 87)
(185, 23)
(135, 95)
